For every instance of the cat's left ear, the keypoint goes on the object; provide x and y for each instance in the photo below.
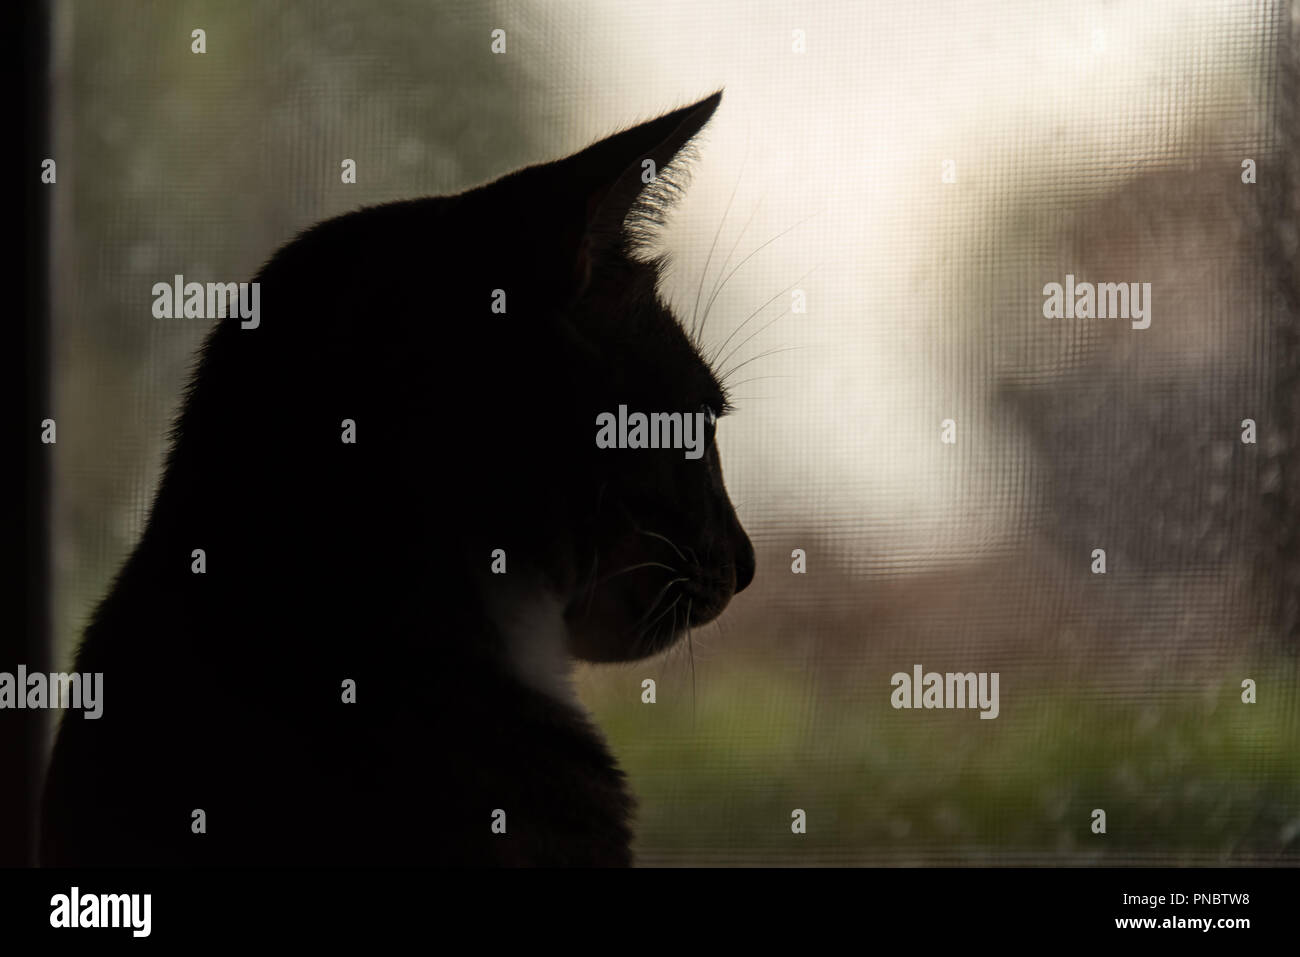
(605, 181)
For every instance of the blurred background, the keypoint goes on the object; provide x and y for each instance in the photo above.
(918, 172)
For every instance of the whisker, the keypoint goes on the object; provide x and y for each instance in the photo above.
(664, 538)
(741, 345)
(756, 312)
(709, 304)
(758, 378)
(761, 355)
(650, 633)
(690, 648)
(658, 598)
(645, 632)
(632, 568)
(730, 252)
(716, 236)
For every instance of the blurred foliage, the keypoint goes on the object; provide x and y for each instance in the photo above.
(1199, 778)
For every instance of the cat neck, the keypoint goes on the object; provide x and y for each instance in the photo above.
(534, 640)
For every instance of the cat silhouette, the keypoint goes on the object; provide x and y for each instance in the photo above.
(385, 530)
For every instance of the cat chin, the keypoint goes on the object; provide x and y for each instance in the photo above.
(620, 646)
(611, 628)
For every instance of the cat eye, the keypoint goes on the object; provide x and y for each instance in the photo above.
(710, 420)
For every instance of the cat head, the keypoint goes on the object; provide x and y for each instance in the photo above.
(478, 341)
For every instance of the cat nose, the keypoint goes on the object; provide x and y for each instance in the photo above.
(744, 559)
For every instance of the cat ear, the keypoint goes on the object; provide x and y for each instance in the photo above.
(615, 174)
(615, 194)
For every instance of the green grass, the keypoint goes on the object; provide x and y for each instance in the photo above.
(1182, 777)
